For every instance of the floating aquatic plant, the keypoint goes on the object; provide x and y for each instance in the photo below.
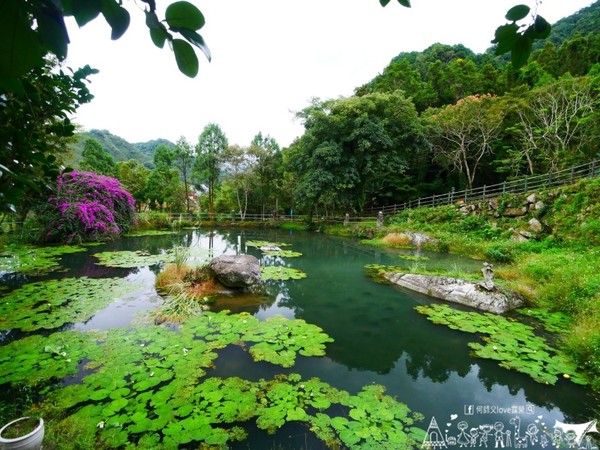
(281, 273)
(283, 253)
(554, 322)
(32, 260)
(130, 259)
(514, 344)
(259, 244)
(149, 233)
(54, 303)
(414, 257)
(146, 387)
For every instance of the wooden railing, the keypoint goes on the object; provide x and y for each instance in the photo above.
(527, 184)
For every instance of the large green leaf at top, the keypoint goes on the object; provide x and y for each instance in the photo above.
(19, 45)
(116, 16)
(52, 31)
(405, 3)
(184, 15)
(186, 58)
(517, 12)
(86, 11)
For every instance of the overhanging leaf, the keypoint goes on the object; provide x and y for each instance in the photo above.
(505, 37)
(195, 39)
(405, 3)
(158, 32)
(85, 11)
(186, 58)
(542, 28)
(520, 51)
(116, 16)
(19, 44)
(517, 12)
(52, 30)
(183, 14)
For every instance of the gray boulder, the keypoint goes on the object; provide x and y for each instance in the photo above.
(456, 291)
(236, 270)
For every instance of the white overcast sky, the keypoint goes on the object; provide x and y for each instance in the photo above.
(270, 57)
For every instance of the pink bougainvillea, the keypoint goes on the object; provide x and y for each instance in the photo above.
(88, 207)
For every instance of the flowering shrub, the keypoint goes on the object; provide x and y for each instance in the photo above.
(87, 207)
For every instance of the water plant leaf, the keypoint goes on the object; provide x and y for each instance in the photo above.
(32, 260)
(54, 303)
(259, 244)
(146, 387)
(554, 322)
(280, 273)
(283, 253)
(131, 259)
(513, 344)
(149, 233)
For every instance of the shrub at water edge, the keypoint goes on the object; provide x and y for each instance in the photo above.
(87, 207)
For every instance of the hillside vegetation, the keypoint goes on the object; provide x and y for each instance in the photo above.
(117, 147)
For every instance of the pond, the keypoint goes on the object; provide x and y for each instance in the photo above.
(378, 339)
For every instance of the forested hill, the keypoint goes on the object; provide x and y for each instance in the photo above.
(117, 147)
(443, 74)
(584, 22)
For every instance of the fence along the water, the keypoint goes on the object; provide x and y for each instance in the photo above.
(527, 184)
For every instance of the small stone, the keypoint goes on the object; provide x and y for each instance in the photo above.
(535, 225)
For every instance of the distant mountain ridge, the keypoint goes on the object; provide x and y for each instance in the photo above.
(119, 148)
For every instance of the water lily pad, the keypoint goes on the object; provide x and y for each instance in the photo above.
(146, 387)
(33, 260)
(554, 322)
(51, 304)
(259, 244)
(281, 273)
(513, 344)
(129, 259)
(149, 233)
(283, 253)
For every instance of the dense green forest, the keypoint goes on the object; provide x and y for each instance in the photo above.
(431, 121)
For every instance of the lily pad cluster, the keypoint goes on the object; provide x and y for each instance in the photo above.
(259, 244)
(34, 260)
(140, 233)
(553, 322)
(281, 273)
(131, 259)
(146, 387)
(54, 303)
(514, 344)
(274, 249)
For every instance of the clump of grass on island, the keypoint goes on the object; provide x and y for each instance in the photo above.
(188, 289)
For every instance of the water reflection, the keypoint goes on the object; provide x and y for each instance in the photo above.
(378, 337)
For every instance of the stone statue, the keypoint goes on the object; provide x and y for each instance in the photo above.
(488, 277)
(380, 219)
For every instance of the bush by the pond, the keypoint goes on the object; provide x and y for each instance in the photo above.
(87, 207)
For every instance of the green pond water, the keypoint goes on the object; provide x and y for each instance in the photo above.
(378, 339)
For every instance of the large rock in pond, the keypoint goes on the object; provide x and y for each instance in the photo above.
(236, 270)
(457, 291)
